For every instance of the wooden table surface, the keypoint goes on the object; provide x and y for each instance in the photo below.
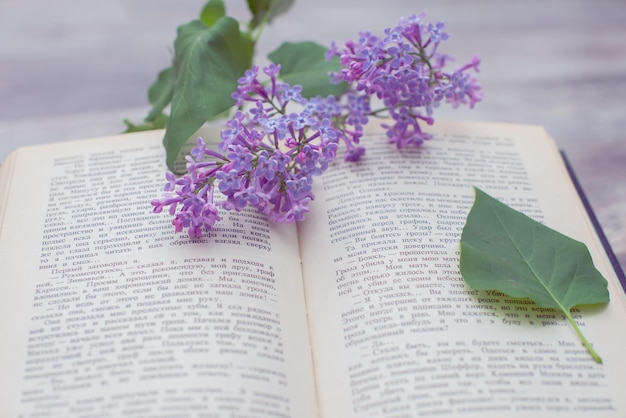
(74, 69)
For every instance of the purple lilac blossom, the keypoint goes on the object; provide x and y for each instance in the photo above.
(406, 73)
(268, 155)
(268, 161)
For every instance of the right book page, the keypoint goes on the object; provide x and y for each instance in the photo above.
(394, 328)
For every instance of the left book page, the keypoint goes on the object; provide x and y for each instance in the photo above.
(106, 311)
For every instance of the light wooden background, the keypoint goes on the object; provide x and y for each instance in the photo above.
(75, 68)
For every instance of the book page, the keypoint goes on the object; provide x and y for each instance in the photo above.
(6, 171)
(106, 311)
(397, 332)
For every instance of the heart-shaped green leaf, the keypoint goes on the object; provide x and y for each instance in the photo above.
(207, 64)
(304, 63)
(503, 249)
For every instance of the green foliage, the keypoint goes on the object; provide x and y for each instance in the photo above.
(207, 63)
(505, 250)
(159, 122)
(210, 54)
(160, 93)
(304, 63)
(212, 11)
(266, 10)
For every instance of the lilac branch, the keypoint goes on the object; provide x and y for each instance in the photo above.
(268, 156)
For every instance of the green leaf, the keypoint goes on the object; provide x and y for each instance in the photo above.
(207, 64)
(212, 11)
(503, 249)
(266, 10)
(158, 122)
(160, 93)
(304, 63)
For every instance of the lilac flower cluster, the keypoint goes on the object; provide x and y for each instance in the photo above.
(266, 159)
(268, 155)
(405, 71)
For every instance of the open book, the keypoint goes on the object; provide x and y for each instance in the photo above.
(360, 310)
